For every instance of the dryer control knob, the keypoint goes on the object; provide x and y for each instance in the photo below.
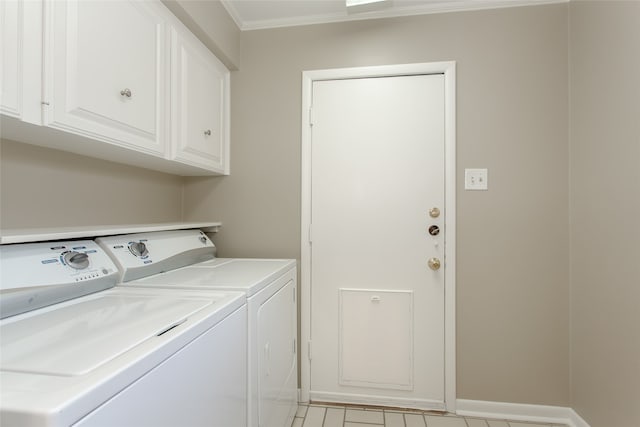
(139, 249)
(77, 260)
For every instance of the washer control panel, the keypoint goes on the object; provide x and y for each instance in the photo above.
(53, 263)
(35, 275)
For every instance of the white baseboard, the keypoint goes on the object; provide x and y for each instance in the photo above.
(576, 420)
(520, 412)
(372, 400)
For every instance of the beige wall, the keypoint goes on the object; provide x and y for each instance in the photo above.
(40, 187)
(213, 25)
(513, 244)
(605, 210)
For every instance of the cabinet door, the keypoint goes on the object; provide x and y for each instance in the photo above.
(106, 67)
(200, 107)
(21, 59)
(10, 55)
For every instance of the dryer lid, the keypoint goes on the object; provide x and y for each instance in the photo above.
(245, 275)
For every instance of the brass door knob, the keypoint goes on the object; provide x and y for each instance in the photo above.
(434, 263)
(434, 212)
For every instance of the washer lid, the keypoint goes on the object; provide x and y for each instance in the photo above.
(76, 338)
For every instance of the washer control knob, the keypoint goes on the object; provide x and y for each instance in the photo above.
(139, 249)
(77, 260)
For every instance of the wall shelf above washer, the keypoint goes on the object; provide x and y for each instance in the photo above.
(39, 234)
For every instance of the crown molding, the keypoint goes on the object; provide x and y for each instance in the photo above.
(442, 6)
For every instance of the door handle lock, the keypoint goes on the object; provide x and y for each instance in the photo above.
(434, 230)
(434, 264)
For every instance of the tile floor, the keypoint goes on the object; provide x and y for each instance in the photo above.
(350, 416)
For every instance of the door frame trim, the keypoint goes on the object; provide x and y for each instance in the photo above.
(448, 69)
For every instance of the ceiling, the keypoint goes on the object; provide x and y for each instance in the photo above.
(261, 14)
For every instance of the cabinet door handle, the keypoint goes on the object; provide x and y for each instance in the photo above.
(126, 92)
(207, 132)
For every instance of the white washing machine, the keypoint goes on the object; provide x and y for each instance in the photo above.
(270, 288)
(74, 350)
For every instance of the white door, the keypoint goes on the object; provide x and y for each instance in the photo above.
(377, 306)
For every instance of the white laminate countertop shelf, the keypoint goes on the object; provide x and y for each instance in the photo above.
(40, 234)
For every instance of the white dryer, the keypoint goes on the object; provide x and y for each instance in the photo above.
(113, 356)
(270, 288)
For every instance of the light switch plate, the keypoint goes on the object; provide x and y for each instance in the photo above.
(476, 179)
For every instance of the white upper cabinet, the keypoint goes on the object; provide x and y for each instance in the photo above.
(200, 104)
(120, 80)
(21, 60)
(106, 68)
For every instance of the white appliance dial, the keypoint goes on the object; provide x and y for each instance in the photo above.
(77, 260)
(139, 249)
